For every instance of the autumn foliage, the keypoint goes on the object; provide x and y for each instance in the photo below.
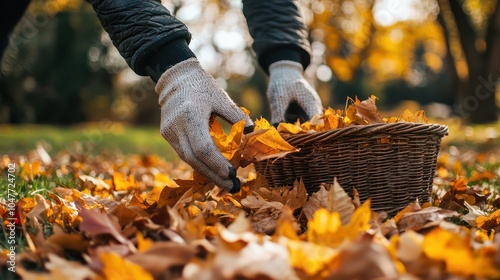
(140, 217)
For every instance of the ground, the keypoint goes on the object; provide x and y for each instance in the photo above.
(108, 201)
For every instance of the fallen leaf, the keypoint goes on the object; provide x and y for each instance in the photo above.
(367, 110)
(95, 223)
(115, 267)
(453, 249)
(161, 256)
(424, 218)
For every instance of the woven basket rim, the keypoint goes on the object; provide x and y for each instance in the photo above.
(399, 128)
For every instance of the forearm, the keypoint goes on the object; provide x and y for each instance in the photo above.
(145, 33)
(278, 30)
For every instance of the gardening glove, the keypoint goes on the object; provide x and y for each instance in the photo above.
(188, 96)
(290, 96)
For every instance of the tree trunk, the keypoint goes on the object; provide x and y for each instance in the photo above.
(477, 103)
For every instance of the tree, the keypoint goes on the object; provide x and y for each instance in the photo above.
(479, 37)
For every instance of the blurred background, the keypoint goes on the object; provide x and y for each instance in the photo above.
(61, 67)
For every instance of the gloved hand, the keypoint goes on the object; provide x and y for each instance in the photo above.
(188, 96)
(290, 96)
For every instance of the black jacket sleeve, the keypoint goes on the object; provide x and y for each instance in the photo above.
(145, 33)
(278, 30)
(10, 14)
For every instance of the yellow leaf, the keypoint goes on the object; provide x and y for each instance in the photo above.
(289, 128)
(453, 249)
(326, 228)
(261, 124)
(227, 144)
(143, 244)
(332, 120)
(310, 257)
(122, 183)
(117, 268)
(265, 144)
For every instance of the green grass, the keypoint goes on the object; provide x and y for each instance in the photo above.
(94, 138)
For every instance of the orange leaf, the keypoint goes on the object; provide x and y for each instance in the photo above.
(117, 268)
(122, 183)
(490, 222)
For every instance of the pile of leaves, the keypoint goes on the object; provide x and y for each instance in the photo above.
(356, 113)
(141, 217)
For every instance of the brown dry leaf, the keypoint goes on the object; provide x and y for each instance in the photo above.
(115, 267)
(459, 193)
(316, 201)
(412, 207)
(96, 223)
(424, 218)
(367, 110)
(41, 207)
(60, 241)
(410, 246)
(170, 195)
(339, 201)
(491, 222)
(251, 256)
(161, 256)
(294, 197)
(62, 269)
(363, 260)
(265, 219)
(333, 198)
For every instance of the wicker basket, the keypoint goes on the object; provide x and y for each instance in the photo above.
(393, 164)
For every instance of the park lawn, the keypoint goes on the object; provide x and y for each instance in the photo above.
(88, 138)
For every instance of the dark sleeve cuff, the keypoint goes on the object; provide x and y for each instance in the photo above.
(166, 56)
(278, 54)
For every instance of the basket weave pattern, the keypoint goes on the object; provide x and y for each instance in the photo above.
(393, 164)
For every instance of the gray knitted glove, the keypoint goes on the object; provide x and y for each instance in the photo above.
(290, 96)
(188, 96)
